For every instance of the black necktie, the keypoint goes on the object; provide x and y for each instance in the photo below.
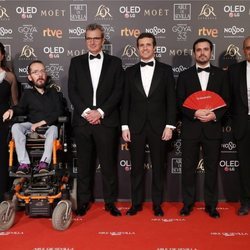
(207, 69)
(91, 57)
(149, 64)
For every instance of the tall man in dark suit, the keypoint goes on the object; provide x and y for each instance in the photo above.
(239, 77)
(95, 87)
(148, 116)
(201, 128)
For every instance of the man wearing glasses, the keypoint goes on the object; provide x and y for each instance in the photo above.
(42, 106)
(95, 87)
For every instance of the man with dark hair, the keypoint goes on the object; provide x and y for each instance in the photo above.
(201, 128)
(42, 106)
(239, 77)
(148, 117)
(95, 87)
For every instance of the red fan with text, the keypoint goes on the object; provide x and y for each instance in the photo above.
(204, 100)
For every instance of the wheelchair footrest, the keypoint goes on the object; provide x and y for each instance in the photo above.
(12, 174)
(37, 208)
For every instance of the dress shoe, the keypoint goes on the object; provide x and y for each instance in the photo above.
(243, 210)
(158, 210)
(212, 212)
(134, 210)
(83, 209)
(186, 210)
(112, 209)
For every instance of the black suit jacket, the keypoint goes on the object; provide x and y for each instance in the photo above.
(239, 101)
(108, 93)
(188, 83)
(159, 108)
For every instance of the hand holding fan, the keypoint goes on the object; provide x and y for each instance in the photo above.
(204, 100)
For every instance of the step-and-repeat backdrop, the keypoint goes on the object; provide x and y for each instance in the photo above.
(53, 31)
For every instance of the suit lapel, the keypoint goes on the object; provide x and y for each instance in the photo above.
(155, 79)
(211, 79)
(138, 80)
(243, 83)
(196, 81)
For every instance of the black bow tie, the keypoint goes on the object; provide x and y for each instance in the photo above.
(207, 69)
(91, 57)
(149, 64)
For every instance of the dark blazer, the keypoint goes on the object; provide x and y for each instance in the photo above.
(159, 108)
(188, 83)
(239, 101)
(108, 93)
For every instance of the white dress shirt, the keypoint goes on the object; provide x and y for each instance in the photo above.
(248, 86)
(203, 76)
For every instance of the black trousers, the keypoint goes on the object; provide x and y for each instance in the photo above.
(92, 140)
(157, 149)
(190, 160)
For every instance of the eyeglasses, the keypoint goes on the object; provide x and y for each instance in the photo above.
(38, 72)
(95, 39)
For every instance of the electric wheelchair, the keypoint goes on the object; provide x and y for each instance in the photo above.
(48, 194)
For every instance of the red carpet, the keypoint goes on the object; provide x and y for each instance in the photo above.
(100, 231)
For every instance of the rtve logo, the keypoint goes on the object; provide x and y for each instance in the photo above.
(130, 32)
(52, 33)
(208, 32)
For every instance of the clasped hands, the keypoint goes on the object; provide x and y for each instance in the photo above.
(93, 117)
(205, 115)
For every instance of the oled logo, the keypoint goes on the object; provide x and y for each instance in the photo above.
(182, 11)
(130, 11)
(26, 12)
(229, 165)
(207, 12)
(234, 11)
(78, 12)
(53, 52)
(160, 50)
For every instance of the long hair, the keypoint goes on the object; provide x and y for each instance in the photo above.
(3, 63)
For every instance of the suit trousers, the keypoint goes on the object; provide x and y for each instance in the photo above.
(158, 152)
(19, 132)
(92, 140)
(244, 168)
(190, 161)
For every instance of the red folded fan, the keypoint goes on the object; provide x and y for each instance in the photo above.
(204, 100)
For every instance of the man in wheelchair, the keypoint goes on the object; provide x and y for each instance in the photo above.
(42, 106)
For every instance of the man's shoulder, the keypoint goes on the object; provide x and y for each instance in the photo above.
(237, 66)
(112, 58)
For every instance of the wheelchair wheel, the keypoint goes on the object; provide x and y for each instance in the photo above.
(7, 215)
(62, 215)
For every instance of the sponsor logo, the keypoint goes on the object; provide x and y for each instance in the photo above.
(5, 33)
(52, 33)
(27, 52)
(156, 12)
(76, 33)
(229, 147)
(130, 11)
(234, 10)
(207, 12)
(182, 11)
(176, 165)
(3, 14)
(229, 234)
(26, 12)
(23, 71)
(160, 50)
(177, 147)
(177, 70)
(124, 146)
(233, 32)
(129, 52)
(54, 70)
(108, 48)
(200, 168)
(76, 52)
(116, 233)
(53, 13)
(180, 52)
(8, 52)
(181, 30)
(126, 164)
(53, 52)
(108, 29)
(232, 52)
(208, 32)
(130, 32)
(229, 165)
(78, 12)
(27, 30)
(156, 31)
(103, 13)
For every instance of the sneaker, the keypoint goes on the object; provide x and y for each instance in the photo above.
(23, 169)
(43, 167)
